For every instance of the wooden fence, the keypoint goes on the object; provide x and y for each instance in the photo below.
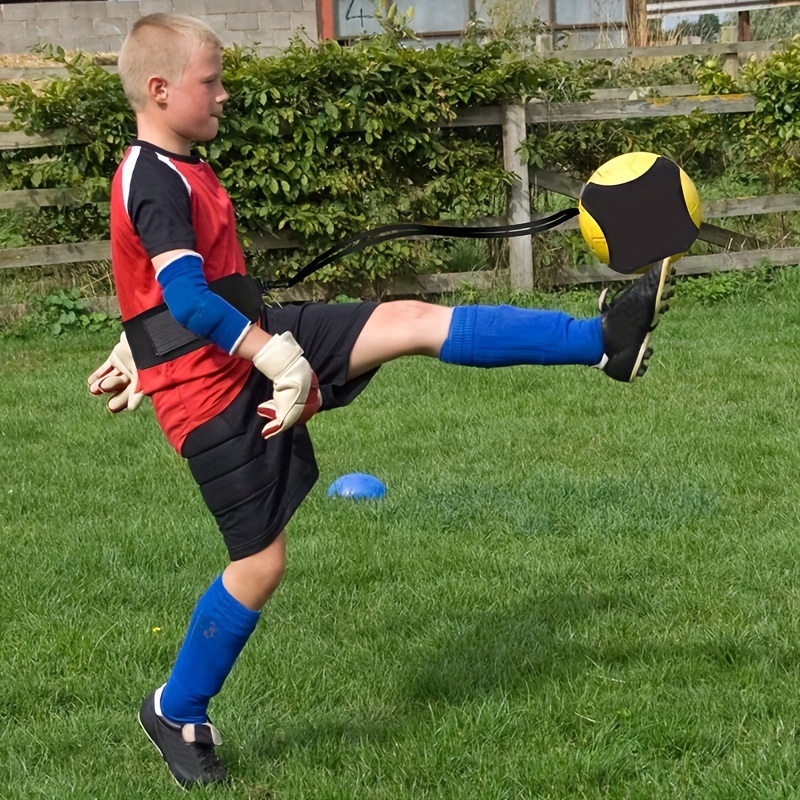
(730, 52)
(738, 251)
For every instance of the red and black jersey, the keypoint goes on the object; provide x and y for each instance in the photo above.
(161, 201)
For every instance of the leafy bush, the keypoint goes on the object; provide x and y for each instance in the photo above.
(772, 136)
(321, 142)
(61, 312)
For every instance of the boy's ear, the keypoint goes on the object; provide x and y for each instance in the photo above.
(157, 88)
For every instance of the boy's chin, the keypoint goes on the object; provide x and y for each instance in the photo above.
(208, 133)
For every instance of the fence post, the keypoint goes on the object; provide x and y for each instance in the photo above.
(520, 255)
(544, 45)
(729, 34)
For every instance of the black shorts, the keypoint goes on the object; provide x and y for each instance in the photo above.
(253, 486)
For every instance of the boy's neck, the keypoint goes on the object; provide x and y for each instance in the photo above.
(164, 139)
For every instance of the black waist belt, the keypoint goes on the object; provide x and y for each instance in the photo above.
(156, 337)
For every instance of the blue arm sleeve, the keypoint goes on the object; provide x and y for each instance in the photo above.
(196, 307)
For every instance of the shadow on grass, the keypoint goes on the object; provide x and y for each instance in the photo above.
(511, 649)
(501, 650)
(548, 642)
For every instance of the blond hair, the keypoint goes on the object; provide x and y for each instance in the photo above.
(159, 44)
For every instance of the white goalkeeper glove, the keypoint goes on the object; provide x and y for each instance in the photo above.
(117, 377)
(295, 397)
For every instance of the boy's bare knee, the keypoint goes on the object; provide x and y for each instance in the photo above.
(253, 580)
(421, 327)
(399, 328)
(266, 569)
(412, 312)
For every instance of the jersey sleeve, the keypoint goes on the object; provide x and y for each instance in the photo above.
(159, 206)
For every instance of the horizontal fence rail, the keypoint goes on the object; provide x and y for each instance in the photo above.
(73, 253)
(536, 113)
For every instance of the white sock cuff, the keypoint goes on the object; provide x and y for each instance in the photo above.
(157, 700)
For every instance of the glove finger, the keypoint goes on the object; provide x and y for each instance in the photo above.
(113, 383)
(98, 388)
(312, 405)
(136, 397)
(118, 402)
(271, 429)
(120, 365)
(267, 410)
(100, 373)
(292, 416)
(135, 400)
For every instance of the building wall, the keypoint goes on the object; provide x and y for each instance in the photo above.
(99, 27)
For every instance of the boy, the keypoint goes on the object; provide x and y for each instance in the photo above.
(233, 382)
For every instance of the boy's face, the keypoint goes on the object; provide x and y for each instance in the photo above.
(195, 101)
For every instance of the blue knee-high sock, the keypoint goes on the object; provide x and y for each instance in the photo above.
(218, 630)
(502, 336)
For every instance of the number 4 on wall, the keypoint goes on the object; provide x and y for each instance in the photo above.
(355, 10)
(354, 13)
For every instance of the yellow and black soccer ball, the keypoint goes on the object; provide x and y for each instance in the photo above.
(637, 209)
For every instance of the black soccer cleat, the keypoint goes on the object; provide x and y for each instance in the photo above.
(628, 321)
(187, 749)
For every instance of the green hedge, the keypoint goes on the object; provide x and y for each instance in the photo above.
(324, 141)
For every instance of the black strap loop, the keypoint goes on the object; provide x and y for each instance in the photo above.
(156, 337)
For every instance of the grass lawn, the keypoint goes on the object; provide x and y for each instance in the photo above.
(573, 588)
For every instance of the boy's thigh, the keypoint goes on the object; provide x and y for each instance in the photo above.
(327, 333)
(252, 486)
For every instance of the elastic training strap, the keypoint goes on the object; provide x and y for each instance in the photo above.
(156, 337)
(402, 230)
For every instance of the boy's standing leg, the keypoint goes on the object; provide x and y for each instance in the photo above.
(175, 715)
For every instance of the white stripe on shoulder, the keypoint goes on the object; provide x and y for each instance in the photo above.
(168, 161)
(127, 172)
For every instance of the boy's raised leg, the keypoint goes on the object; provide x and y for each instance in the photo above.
(616, 341)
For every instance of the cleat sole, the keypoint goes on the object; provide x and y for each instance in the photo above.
(666, 278)
(158, 750)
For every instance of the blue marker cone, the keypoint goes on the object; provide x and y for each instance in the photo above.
(357, 486)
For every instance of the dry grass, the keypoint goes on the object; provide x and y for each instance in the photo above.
(37, 60)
